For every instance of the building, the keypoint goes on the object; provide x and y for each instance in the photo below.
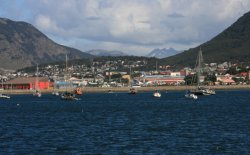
(225, 80)
(28, 83)
(164, 79)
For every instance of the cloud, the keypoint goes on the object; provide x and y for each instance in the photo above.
(175, 15)
(139, 25)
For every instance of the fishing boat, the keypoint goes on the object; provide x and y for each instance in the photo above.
(199, 89)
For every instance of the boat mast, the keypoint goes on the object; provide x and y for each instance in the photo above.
(198, 69)
(36, 84)
(66, 71)
(2, 82)
(130, 76)
(156, 66)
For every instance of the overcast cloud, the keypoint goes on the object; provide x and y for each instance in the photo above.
(132, 26)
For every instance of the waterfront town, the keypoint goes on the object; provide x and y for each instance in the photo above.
(108, 74)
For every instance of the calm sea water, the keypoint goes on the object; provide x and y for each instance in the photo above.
(118, 123)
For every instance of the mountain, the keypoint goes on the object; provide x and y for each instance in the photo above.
(22, 45)
(233, 44)
(99, 52)
(162, 53)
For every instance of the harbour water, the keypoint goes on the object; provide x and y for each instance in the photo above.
(119, 123)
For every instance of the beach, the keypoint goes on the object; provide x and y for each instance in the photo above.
(126, 89)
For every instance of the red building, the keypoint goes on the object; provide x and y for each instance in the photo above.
(28, 83)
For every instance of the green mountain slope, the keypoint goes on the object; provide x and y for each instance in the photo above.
(233, 45)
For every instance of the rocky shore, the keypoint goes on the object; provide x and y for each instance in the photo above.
(126, 89)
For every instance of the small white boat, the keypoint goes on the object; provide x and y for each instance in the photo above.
(191, 96)
(37, 94)
(4, 96)
(156, 94)
(55, 93)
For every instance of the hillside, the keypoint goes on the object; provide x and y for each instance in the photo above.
(22, 45)
(233, 45)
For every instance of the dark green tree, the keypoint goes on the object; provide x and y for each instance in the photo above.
(190, 79)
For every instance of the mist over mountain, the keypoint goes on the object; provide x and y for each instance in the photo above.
(99, 52)
(233, 44)
(22, 45)
(162, 53)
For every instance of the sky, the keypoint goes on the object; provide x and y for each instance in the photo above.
(135, 27)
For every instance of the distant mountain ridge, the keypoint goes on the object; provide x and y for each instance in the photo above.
(233, 45)
(99, 52)
(162, 53)
(22, 45)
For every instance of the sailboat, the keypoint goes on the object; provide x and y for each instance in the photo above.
(199, 90)
(131, 90)
(156, 93)
(67, 95)
(55, 92)
(37, 92)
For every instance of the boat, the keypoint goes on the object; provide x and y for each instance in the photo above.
(4, 96)
(37, 92)
(199, 89)
(110, 91)
(55, 93)
(78, 91)
(156, 94)
(132, 90)
(191, 95)
(67, 95)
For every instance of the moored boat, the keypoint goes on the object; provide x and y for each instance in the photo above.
(78, 91)
(191, 95)
(156, 94)
(4, 96)
(37, 93)
(198, 89)
(68, 96)
(132, 91)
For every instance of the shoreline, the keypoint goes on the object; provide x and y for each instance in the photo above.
(126, 89)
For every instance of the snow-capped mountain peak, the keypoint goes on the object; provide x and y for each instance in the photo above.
(162, 53)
